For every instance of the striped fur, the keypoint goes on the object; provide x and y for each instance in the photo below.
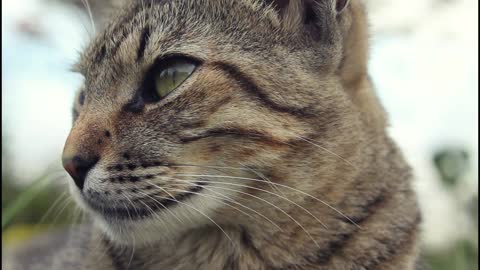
(275, 148)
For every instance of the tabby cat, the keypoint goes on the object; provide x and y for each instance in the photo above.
(232, 134)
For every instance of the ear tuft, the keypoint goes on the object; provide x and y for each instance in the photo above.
(279, 5)
(341, 5)
(295, 13)
(291, 12)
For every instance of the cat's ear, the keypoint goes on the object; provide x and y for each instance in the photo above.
(295, 13)
(341, 5)
(331, 21)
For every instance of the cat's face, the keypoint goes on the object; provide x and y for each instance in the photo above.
(189, 109)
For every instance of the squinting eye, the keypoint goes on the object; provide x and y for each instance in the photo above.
(172, 75)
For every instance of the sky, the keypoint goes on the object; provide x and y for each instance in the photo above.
(37, 87)
(424, 63)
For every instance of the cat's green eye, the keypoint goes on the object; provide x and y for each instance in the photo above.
(172, 76)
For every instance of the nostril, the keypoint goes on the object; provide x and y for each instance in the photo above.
(78, 168)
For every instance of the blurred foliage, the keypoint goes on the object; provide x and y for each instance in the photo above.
(473, 209)
(28, 205)
(27, 211)
(462, 256)
(452, 164)
(19, 233)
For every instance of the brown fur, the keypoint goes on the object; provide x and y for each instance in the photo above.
(282, 94)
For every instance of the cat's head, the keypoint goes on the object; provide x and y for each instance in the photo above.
(191, 108)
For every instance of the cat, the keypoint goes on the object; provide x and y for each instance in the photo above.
(232, 134)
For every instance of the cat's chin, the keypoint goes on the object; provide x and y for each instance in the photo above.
(159, 227)
(150, 225)
(139, 232)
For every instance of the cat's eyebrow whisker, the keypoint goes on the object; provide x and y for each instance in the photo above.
(266, 191)
(90, 15)
(203, 214)
(277, 184)
(229, 200)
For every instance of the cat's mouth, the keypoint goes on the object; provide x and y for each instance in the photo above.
(140, 208)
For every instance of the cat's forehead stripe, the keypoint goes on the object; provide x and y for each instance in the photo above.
(143, 42)
(115, 34)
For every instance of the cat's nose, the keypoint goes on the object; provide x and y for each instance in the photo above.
(84, 148)
(78, 168)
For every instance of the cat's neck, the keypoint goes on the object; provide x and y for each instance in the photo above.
(378, 231)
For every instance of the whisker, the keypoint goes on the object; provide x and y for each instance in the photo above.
(60, 198)
(128, 212)
(157, 217)
(76, 216)
(276, 207)
(61, 211)
(89, 11)
(203, 214)
(226, 183)
(253, 210)
(150, 209)
(325, 149)
(228, 199)
(233, 184)
(217, 199)
(133, 252)
(131, 203)
(264, 178)
(244, 168)
(271, 204)
(277, 184)
(313, 143)
(162, 205)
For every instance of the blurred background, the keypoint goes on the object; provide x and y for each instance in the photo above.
(424, 62)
